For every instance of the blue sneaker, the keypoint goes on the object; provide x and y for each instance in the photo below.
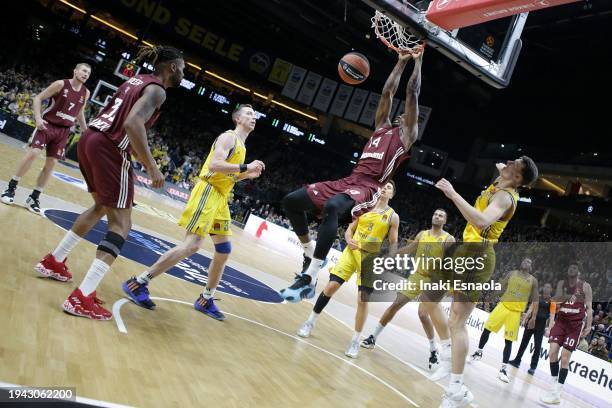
(209, 308)
(300, 289)
(138, 293)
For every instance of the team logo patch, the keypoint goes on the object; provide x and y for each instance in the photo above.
(145, 249)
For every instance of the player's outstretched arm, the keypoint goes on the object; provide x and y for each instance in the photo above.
(151, 99)
(410, 119)
(388, 91)
(410, 249)
(47, 93)
(560, 295)
(500, 203)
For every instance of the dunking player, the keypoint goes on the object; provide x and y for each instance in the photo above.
(68, 98)
(427, 244)
(486, 221)
(364, 238)
(568, 327)
(104, 159)
(207, 213)
(519, 286)
(334, 200)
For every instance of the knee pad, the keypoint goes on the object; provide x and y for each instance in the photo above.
(224, 247)
(111, 244)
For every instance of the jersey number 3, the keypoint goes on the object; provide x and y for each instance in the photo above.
(111, 115)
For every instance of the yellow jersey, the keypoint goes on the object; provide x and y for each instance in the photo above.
(518, 291)
(372, 229)
(494, 231)
(224, 183)
(430, 247)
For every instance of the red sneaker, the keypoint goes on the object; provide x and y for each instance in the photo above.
(52, 268)
(86, 306)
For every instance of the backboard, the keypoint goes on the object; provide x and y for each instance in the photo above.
(489, 50)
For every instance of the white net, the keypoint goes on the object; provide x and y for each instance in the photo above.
(396, 37)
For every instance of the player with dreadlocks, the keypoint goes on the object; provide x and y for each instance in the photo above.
(104, 150)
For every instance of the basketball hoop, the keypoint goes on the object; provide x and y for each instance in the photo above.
(400, 39)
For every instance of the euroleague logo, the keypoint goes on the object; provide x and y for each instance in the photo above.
(145, 249)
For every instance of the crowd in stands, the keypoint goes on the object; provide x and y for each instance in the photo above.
(182, 138)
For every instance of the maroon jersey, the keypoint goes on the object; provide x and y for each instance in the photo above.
(574, 308)
(111, 119)
(382, 155)
(65, 105)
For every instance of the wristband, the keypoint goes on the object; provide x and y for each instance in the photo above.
(243, 168)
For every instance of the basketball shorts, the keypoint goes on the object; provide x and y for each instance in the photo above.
(502, 316)
(473, 263)
(355, 261)
(207, 211)
(363, 191)
(107, 170)
(566, 333)
(53, 140)
(415, 282)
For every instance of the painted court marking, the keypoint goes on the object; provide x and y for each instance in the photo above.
(123, 329)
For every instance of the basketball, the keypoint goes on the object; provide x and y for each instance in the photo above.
(354, 68)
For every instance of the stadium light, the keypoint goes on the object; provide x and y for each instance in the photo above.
(553, 185)
(294, 110)
(73, 6)
(114, 27)
(199, 68)
(219, 77)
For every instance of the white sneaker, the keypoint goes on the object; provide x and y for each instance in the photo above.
(442, 371)
(459, 400)
(353, 350)
(553, 396)
(305, 330)
(503, 376)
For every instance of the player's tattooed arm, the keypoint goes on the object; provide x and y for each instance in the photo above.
(152, 98)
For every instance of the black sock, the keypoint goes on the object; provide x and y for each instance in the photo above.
(484, 337)
(13, 184)
(507, 351)
(554, 369)
(322, 301)
(562, 375)
(35, 194)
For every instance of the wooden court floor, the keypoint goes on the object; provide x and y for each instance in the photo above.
(176, 357)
